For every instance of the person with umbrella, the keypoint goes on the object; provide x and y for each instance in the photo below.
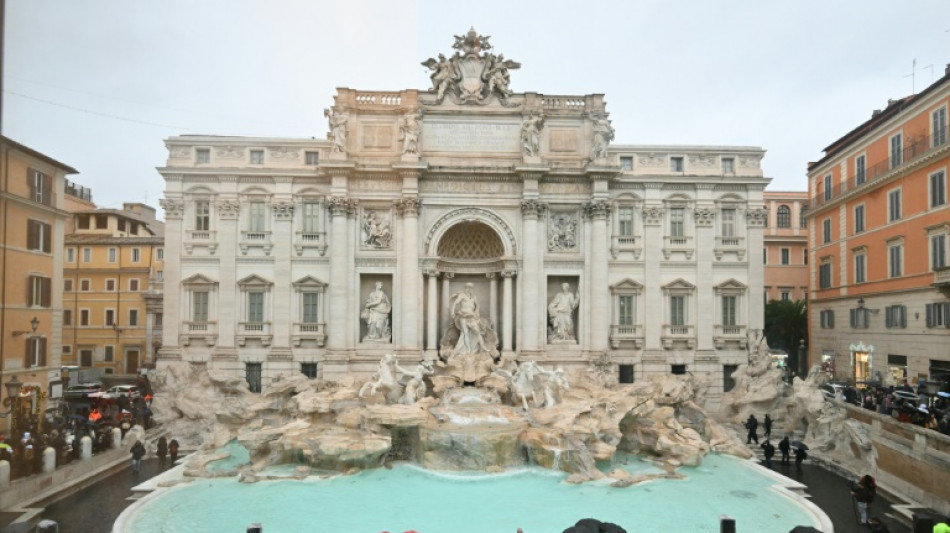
(800, 453)
(785, 447)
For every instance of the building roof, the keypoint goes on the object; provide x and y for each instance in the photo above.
(154, 227)
(33, 153)
(94, 238)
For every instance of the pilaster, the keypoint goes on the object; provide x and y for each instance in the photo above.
(598, 305)
(531, 323)
(409, 274)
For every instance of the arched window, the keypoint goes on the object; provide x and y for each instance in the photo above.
(784, 216)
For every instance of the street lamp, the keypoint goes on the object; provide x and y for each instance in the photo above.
(802, 359)
(35, 323)
(13, 393)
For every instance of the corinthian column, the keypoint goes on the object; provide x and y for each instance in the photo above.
(529, 280)
(339, 207)
(598, 301)
(409, 275)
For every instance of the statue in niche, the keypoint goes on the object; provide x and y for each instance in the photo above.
(376, 231)
(376, 313)
(410, 129)
(561, 314)
(562, 234)
(531, 135)
(469, 344)
(464, 307)
(415, 386)
(337, 135)
(603, 134)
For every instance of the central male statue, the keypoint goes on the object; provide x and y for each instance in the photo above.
(465, 315)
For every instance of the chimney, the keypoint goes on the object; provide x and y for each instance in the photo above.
(875, 113)
(946, 70)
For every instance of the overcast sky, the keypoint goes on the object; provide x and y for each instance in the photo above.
(98, 84)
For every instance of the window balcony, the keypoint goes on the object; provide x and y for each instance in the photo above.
(201, 237)
(626, 333)
(310, 239)
(734, 245)
(678, 334)
(254, 330)
(626, 243)
(725, 334)
(207, 331)
(259, 239)
(942, 280)
(310, 332)
(679, 244)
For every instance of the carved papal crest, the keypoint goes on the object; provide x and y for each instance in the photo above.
(472, 74)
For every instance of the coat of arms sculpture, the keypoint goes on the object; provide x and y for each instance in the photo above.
(472, 74)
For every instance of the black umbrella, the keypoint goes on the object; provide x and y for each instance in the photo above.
(804, 529)
(799, 444)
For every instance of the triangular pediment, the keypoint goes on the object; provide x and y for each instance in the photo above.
(309, 282)
(198, 279)
(731, 283)
(254, 281)
(626, 284)
(679, 283)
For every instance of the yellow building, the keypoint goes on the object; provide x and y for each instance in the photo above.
(112, 289)
(32, 222)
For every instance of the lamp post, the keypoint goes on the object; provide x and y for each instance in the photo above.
(13, 394)
(802, 359)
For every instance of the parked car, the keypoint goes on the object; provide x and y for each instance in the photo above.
(847, 392)
(128, 391)
(82, 391)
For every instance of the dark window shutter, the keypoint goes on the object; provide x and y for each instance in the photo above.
(30, 297)
(42, 351)
(930, 315)
(903, 316)
(47, 295)
(31, 183)
(47, 189)
(31, 237)
(47, 238)
(831, 318)
(27, 352)
(946, 314)
(853, 313)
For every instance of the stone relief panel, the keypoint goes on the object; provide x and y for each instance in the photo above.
(377, 136)
(179, 152)
(563, 140)
(749, 162)
(229, 152)
(653, 160)
(702, 160)
(376, 229)
(283, 153)
(562, 232)
(470, 186)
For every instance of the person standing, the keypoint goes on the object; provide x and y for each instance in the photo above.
(769, 453)
(162, 451)
(173, 450)
(863, 492)
(785, 447)
(767, 424)
(800, 455)
(752, 424)
(138, 452)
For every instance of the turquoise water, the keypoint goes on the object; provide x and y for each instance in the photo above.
(239, 457)
(537, 500)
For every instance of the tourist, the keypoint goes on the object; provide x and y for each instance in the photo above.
(863, 492)
(769, 453)
(173, 450)
(138, 451)
(752, 425)
(800, 455)
(162, 451)
(767, 424)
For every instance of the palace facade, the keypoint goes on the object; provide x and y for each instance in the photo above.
(321, 256)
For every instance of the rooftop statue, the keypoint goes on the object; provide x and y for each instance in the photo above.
(471, 75)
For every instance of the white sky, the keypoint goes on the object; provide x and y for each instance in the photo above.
(790, 76)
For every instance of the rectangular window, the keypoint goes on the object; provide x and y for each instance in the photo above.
(677, 310)
(199, 306)
(894, 205)
(728, 222)
(35, 356)
(765, 256)
(255, 221)
(805, 256)
(255, 307)
(860, 170)
(202, 215)
(938, 251)
(120, 224)
(67, 349)
(729, 309)
(83, 317)
(824, 276)
(67, 317)
(939, 125)
(39, 236)
(112, 255)
(677, 222)
(257, 157)
(159, 275)
(728, 165)
(826, 230)
(859, 219)
(40, 291)
(311, 217)
(68, 285)
(895, 316)
(827, 319)
(828, 187)
(786, 256)
(312, 158)
(86, 255)
(938, 189)
(676, 164)
(625, 221)
(85, 285)
(895, 260)
(897, 150)
(41, 186)
(252, 372)
(160, 254)
(102, 221)
(786, 296)
(859, 318)
(136, 255)
(70, 255)
(626, 163)
(309, 307)
(938, 314)
(133, 317)
(625, 310)
(309, 370)
(860, 268)
(108, 353)
(133, 285)
(625, 374)
(803, 216)
(202, 155)
(82, 221)
(110, 285)
(110, 317)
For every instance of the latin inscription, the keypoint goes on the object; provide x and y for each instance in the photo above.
(470, 137)
(469, 186)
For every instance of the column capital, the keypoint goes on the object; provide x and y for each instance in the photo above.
(174, 207)
(408, 206)
(283, 210)
(756, 216)
(597, 210)
(653, 215)
(532, 208)
(228, 209)
(431, 273)
(704, 216)
(491, 275)
(448, 275)
(508, 274)
(341, 205)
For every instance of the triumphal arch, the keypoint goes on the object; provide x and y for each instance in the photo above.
(466, 224)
